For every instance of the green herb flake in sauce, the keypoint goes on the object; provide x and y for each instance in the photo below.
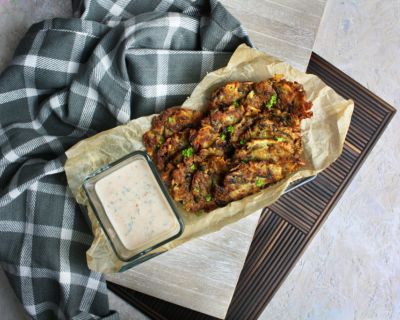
(193, 167)
(230, 129)
(236, 104)
(223, 136)
(271, 102)
(280, 139)
(259, 182)
(208, 198)
(242, 142)
(187, 152)
(170, 120)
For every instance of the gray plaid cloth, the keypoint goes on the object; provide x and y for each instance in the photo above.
(72, 78)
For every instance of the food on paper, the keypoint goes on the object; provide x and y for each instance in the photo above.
(248, 138)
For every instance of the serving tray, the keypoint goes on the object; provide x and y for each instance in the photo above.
(286, 228)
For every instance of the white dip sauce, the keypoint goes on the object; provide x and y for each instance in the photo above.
(136, 206)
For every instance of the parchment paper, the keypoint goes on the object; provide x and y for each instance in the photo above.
(323, 138)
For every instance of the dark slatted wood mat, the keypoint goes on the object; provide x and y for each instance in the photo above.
(287, 227)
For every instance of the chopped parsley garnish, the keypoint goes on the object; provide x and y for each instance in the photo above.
(193, 167)
(271, 102)
(187, 152)
(242, 142)
(279, 139)
(236, 104)
(223, 136)
(161, 140)
(259, 182)
(208, 198)
(170, 119)
(230, 129)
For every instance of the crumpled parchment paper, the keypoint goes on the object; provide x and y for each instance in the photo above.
(323, 138)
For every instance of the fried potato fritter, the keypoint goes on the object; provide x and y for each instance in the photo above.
(248, 178)
(248, 139)
(229, 94)
(170, 121)
(175, 143)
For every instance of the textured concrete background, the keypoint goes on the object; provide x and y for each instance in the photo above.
(16, 16)
(351, 270)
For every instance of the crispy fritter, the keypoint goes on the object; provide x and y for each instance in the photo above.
(205, 136)
(292, 102)
(229, 94)
(248, 178)
(174, 120)
(226, 117)
(238, 130)
(166, 174)
(249, 138)
(257, 98)
(269, 150)
(205, 179)
(170, 121)
(181, 181)
(266, 128)
(174, 144)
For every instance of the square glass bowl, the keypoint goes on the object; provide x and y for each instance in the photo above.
(133, 206)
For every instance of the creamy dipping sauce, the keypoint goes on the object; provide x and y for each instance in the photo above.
(136, 207)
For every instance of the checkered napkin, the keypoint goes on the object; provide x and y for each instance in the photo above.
(72, 78)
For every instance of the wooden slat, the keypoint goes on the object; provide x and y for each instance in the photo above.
(283, 28)
(287, 227)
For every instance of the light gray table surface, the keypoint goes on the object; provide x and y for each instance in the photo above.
(351, 270)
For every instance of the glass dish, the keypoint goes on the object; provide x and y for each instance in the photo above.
(133, 206)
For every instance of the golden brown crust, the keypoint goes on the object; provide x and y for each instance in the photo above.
(166, 124)
(249, 139)
(173, 145)
(229, 93)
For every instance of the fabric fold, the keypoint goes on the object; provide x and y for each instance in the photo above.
(72, 78)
